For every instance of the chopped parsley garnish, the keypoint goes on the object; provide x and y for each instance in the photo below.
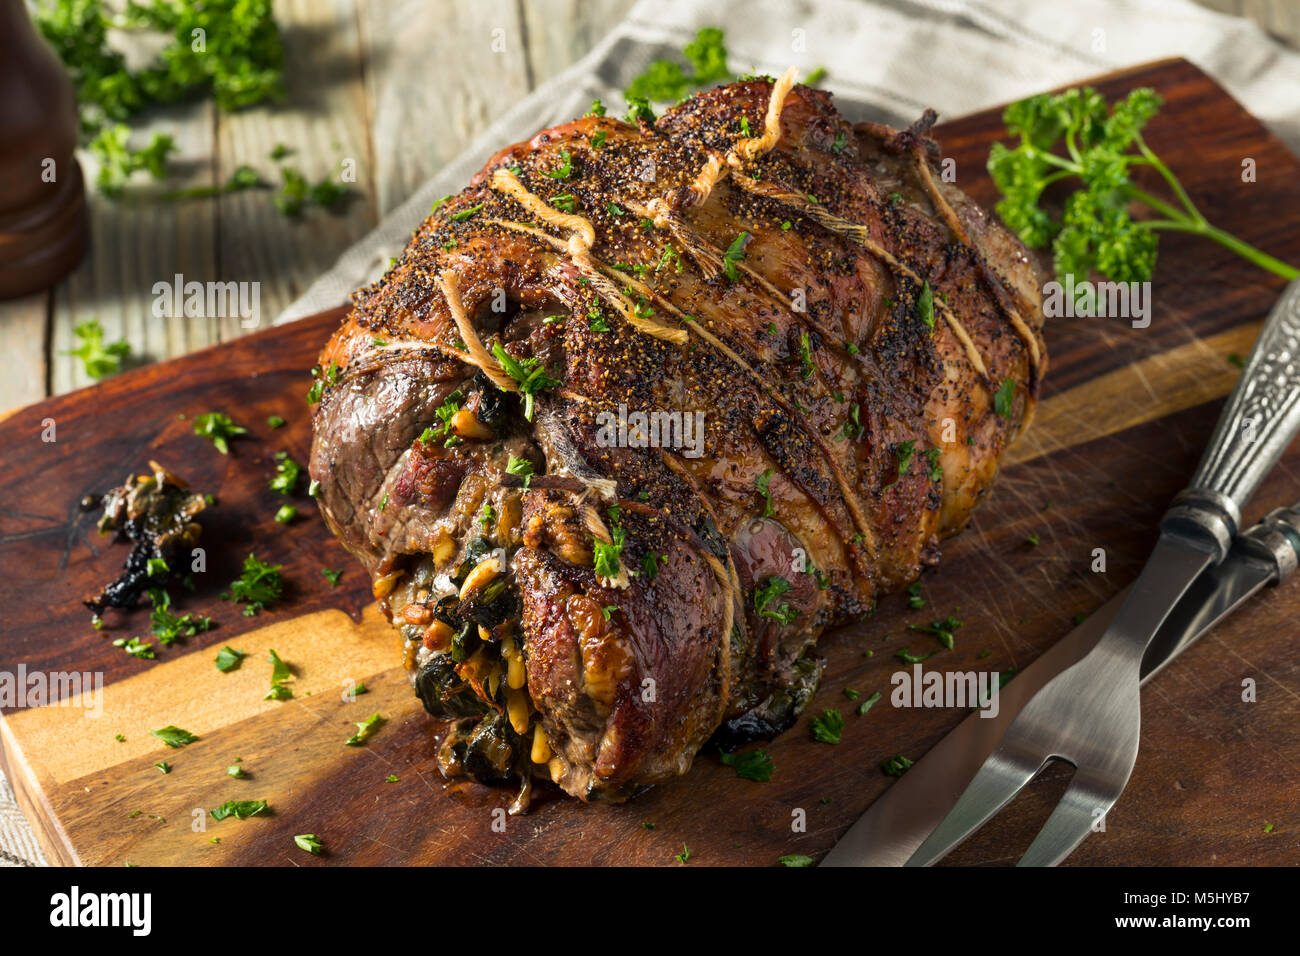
(670, 256)
(445, 412)
(275, 421)
(896, 766)
(564, 201)
(332, 576)
(236, 771)
(598, 139)
(258, 587)
(735, 252)
(168, 627)
(936, 469)
(907, 657)
(866, 705)
(240, 809)
(827, 728)
(596, 320)
(941, 629)
(365, 729)
(597, 108)
(684, 855)
(925, 305)
(308, 842)
(915, 601)
(607, 556)
(614, 209)
(1003, 398)
(795, 859)
(466, 213)
(853, 427)
(769, 591)
(280, 671)
(218, 427)
(228, 659)
(98, 359)
(532, 378)
(840, 142)
(174, 736)
(1032, 540)
(805, 354)
(286, 514)
(136, 647)
(638, 110)
(755, 765)
(565, 169)
(391, 778)
(762, 483)
(164, 767)
(521, 467)
(650, 564)
(296, 194)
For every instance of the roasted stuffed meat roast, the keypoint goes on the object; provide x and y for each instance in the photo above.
(649, 405)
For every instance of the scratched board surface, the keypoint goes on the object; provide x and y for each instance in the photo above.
(1125, 414)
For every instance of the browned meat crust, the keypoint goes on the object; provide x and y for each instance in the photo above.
(862, 341)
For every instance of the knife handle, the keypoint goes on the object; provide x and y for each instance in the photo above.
(1257, 424)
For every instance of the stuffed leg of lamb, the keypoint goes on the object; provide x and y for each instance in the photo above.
(647, 407)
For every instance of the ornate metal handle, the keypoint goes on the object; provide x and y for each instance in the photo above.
(1276, 539)
(1257, 424)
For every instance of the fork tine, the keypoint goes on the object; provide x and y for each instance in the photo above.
(1072, 820)
(1003, 775)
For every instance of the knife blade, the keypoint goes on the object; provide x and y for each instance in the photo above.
(898, 822)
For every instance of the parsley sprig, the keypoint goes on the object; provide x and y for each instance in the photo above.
(529, 373)
(1103, 144)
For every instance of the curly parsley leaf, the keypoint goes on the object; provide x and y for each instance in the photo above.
(828, 727)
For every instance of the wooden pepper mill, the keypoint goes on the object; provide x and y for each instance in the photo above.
(43, 227)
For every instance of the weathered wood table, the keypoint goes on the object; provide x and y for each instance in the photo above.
(362, 84)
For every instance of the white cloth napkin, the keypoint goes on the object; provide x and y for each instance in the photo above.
(884, 59)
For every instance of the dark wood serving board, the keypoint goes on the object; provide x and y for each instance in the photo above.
(1124, 417)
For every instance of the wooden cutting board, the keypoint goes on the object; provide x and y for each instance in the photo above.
(1123, 420)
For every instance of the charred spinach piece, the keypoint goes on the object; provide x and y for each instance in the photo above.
(442, 691)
